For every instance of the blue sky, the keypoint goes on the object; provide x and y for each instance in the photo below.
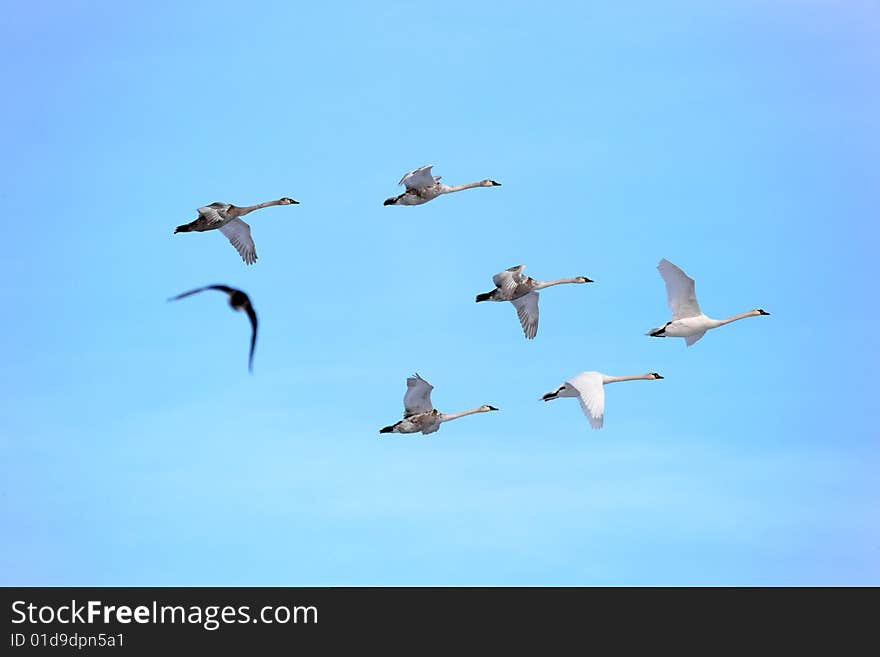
(737, 139)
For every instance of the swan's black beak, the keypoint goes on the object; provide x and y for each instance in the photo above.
(389, 201)
(549, 396)
(294, 202)
(657, 376)
(495, 184)
(762, 311)
(492, 408)
(588, 280)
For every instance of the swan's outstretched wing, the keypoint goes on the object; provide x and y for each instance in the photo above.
(221, 288)
(527, 311)
(680, 292)
(509, 279)
(419, 178)
(591, 394)
(214, 213)
(239, 235)
(689, 340)
(418, 396)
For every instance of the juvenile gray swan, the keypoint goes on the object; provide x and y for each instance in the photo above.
(422, 187)
(225, 217)
(522, 291)
(419, 413)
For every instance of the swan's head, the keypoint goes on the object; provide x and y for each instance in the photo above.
(288, 201)
(490, 183)
(654, 375)
(760, 311)
(584, 279)
(486, 408)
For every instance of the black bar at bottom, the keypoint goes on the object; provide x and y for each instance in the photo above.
(174, 620)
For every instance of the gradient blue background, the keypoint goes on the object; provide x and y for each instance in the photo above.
(737, 139)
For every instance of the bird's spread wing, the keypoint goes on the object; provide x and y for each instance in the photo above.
(221, 288)
(689, 340)
(418, 396)
(214, 212)
(249, 309)
(419, 178)
(239, 235)
(591, 394)
(680, 291)
(509, 279)
(527, 311)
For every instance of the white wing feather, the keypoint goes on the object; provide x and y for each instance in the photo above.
(689, 340)
(418, 396)
(239, 235)
(527, 311)
(591, 394)
(419, 178)
(680, 291)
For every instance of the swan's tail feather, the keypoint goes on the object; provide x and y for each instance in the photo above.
(659, 332)
(487, 296)
(183, 228)
(388, 429)
(394, 199)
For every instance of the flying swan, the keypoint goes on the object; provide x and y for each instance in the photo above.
(225, 218)
(418, 412)
(522, 291)
(422, 187)
(589, 388)
(688, 321)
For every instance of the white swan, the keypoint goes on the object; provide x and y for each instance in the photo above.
(688, 321)
(511, 285)
(589, 388)
(418, 412)
(422, 187)
(225, 218)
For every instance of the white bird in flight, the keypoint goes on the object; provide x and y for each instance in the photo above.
(422, 187)
(589, 388)
(522, 291)
(225, 218)
(688, 321)
(419, 413)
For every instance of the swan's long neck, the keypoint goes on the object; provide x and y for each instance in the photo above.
(446, 417)
(540, 285)
(721, 322)
(638, 377)
(448, 189)
(259, 206)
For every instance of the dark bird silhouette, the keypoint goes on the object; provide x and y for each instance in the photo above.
(239, 301)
